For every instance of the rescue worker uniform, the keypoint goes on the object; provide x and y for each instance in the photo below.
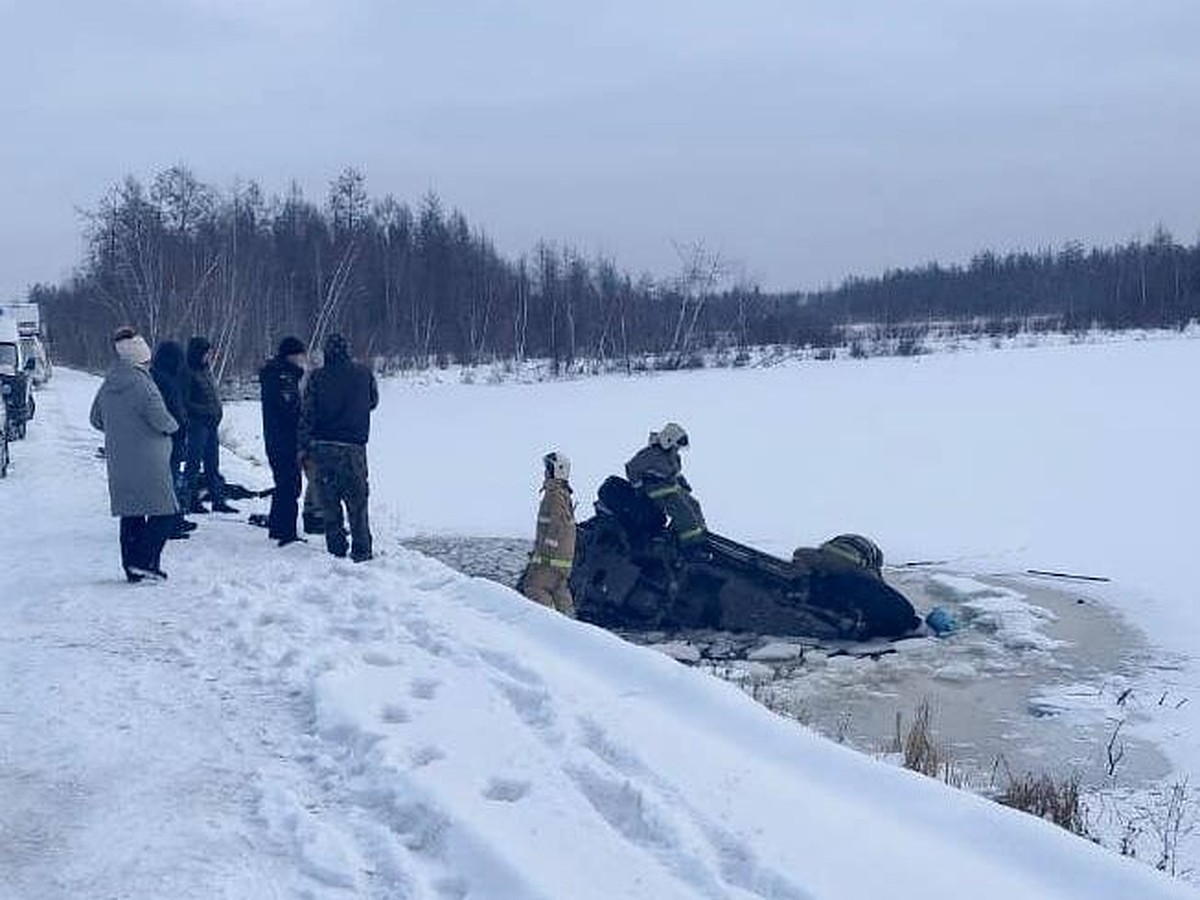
(547, 577)
(656, 473)
(311, 513)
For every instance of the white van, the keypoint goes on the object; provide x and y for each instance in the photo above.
(32, 348)
(11, 355)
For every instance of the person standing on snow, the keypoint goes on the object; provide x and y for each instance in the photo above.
(335, 425)
(546, 579)
(310, 514)
(656, 472)
(204, 415)
(137, 428)
(170, 374)
(280, 391)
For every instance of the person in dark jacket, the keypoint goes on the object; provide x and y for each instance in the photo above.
(204, 415)
(335, 424)
(137, 451)
(169, 371)
(279, 381)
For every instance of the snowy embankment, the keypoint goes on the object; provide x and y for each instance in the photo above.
(1064, 457)
(276, 723)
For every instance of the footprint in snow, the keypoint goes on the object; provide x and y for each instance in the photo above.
(381, 658)
(394, 714)
(507, 664)
(314, 594)
(434, 582)
(452, 889)
(424, 756)
(531, 704)
(506, 790)
(425, 688)
(422, 829)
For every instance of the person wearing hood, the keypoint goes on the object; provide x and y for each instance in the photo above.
(204, 415)
(279, 381)
(137, 428)
(169, 372)
(335, 424)
(546, 579)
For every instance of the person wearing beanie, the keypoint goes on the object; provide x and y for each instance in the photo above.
(132, 347)
(204, 416)
(137, 428)
(279, 382)
(335, 424)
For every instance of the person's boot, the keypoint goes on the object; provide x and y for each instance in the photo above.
(154, 574)
(313, 523)
(222, 507)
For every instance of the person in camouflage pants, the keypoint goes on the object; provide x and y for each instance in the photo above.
(342, 479)
(335, 423)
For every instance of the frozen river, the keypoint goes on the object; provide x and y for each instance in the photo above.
(1038, 678)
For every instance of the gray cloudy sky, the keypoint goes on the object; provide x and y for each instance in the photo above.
(804, 140)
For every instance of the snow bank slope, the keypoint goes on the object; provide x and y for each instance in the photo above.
(278, 723)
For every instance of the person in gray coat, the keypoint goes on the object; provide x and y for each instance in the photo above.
(137, 448)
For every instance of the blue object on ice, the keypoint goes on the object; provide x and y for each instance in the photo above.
(941, 622)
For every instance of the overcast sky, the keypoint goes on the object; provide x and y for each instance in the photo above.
(806, 141)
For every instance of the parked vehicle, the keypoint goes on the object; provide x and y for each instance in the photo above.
(16, 380)
(35, 350)
(4, 459)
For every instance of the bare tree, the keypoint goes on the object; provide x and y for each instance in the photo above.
(701, 271)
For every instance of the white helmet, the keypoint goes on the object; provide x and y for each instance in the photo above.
(557, 465)
(671, 436)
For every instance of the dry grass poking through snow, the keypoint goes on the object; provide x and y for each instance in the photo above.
(921, 751)
(1055, 799)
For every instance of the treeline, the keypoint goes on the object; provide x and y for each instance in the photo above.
(420, 286)
(409, 286)
(1136, 285)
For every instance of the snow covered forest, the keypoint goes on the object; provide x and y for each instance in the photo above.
(419, 286)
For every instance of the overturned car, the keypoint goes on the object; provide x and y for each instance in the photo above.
(630, 573)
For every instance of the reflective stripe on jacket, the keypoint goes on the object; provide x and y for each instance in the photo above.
(653, 464)
(554, 544)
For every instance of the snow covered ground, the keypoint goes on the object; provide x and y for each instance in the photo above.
(1064, 457)
(275, 723)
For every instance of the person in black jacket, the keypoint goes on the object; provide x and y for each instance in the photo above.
(204, 415)
(335, 424)
(279, 380)
(169, 373)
